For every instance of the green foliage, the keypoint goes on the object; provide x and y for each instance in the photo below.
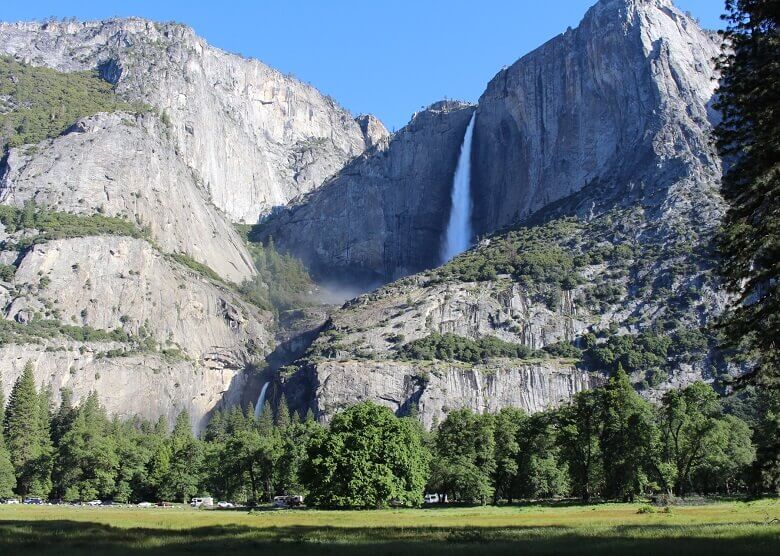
(749, 138)
(629, 437)
(580, 428)
(367, 458)
(87, 462)
(648, 351)
(12, 332)
(696, 438)
(38, 102)
(52, 225)
(26, 433)
(185, 260)
(536, 257)
(451, 347)
(541, 471)
(464, 457)
(281, 283)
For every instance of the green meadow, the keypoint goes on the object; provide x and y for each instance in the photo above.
(731, 527)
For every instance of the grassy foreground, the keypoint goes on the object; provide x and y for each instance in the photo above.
(720, 528)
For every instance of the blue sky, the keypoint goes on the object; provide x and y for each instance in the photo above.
(385, 57)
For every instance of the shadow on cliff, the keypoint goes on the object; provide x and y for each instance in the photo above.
(44, 538)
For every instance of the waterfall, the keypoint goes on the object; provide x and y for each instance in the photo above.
(261, 401)
(458, 237)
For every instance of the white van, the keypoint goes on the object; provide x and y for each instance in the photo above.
(205, 501)
(432, 499)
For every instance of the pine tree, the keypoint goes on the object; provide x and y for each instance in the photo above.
(2, 404)
(182, 478)
(265, 423)
(749, 140)
(87, 462)
(283, 419)
(7, 477)
(27, 436)
(63, 417)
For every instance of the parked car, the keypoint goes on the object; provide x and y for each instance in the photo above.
(36, 501)
(432, 499)
(165, 504)
(226, 505)
(94, 503)
(145, 504)
(205, 501)
(288, 501)
(9, 501)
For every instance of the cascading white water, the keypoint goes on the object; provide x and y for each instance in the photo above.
(261, 401)
(458, 237)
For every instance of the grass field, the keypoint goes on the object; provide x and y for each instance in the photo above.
(718, 528)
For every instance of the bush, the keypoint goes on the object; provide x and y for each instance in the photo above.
(281, 283)
(62, 225)
(451, 347)
(39, 102)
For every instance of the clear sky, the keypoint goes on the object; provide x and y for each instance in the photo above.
(387, 57)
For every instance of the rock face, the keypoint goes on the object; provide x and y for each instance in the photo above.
(617, 111)
(116, 282)
(145, 385)
(384, 214)
(255, 137)
(120, 165)
(622, 101)
(610, 122)
(435, 389)
(191, 340)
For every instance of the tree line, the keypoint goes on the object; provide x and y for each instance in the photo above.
(607, 443)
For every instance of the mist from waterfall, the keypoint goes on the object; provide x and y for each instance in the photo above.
(458, 237)
(261, 401)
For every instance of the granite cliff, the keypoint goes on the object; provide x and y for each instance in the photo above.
(595, 191)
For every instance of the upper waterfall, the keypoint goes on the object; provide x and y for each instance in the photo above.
(458, 237)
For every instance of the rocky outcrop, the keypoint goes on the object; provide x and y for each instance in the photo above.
(126, 166)
(190, 341)
(111, 282)
(614, 113)
(255, 137)
(384, 214)
(622, 102)
(434, 389)
(144, 385)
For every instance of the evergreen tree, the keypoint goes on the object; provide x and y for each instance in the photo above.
(160, 461)
(767, 437)
(749, 141)
(63, 417)
(87, 463)
(283, 419)
(265, 423)
(628, 436)
(133, 455)
(27, 436)
(182, 479)
(7, 477)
